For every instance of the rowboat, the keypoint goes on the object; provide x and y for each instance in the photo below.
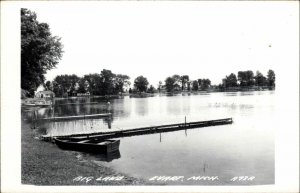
(89, 145)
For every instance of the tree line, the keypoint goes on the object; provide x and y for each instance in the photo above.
(104, 83)
(248, 79)
(108, 83)
(181, 83)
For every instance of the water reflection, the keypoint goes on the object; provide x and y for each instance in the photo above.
(204, 93)
(102, 157)
(246, 93)
(33, 114)
(108, 121)
(121, 107)
(118, 108)
(180, 105)
(75, 127)
(141, 106)
(128, 112)
(230, 93)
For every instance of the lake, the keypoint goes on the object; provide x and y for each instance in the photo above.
(244, 148)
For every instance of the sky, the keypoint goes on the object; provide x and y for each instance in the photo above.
(160, 39)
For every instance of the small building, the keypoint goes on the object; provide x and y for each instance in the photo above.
(45, 94)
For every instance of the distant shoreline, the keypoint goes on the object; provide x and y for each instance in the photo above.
(237, 89)
(164, 93)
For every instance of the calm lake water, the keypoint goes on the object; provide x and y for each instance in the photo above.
(245, 148)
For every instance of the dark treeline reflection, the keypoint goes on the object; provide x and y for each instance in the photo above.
(119, 108)
(72, 107)
(175, 106)
(129, 113)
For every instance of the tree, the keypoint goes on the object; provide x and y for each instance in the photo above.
(40, 51)
(271, 78)
(159, 86)
(48, 85)
(184, 81)
(170, 84)
(230, 81)
(141, 84)
(94, 83)
(204, 83)
(250, 78)
(220, 86)
(84, 86)
(242, 78)
(177, 82)
(57, 89)
(107, 79)
(246, 78)
(195, 85)
(189, 85)
(121, 81)
(63, 84)
(199, 82)
(260, 80)
(151, 89)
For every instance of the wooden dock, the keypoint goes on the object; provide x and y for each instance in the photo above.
(142, 130)
(92, 116)
(64, 104)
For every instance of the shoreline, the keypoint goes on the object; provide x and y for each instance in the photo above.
(164, 93)
(43, 163)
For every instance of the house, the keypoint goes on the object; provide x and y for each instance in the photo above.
(45, 94)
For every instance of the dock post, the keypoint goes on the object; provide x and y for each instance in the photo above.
(184, 121)
(159, 137)
(35, 119)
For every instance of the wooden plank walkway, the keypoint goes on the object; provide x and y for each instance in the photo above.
(75, 117)
(142, 130)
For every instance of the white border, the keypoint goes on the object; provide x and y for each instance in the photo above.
(287, 138)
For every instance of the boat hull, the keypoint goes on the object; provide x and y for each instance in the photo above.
(106, 146)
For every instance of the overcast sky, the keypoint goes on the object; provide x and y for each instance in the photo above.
(159, 39)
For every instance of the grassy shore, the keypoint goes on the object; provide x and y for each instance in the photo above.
(45, 164)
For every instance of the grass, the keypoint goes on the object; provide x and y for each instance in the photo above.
(43, 163)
